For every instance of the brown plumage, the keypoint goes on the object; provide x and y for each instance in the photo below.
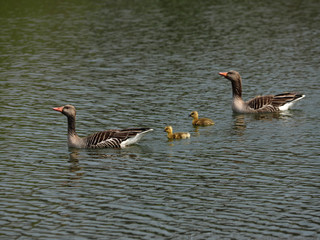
(200, 121)
(114, 138)
(259, 104)
(177, 135)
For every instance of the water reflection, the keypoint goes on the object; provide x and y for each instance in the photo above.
(74, 160)
(284, 115)
(75, 167)
(196, 131)
(74, 155)
(241, 120)
(239, 124)
(104, 155)
(266, 116)
(135, 59)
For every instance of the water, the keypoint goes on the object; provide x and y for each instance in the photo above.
(141, 63)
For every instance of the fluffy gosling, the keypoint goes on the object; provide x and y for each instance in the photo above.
(200, 121)
(177, 135)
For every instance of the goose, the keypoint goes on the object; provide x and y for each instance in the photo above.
(177, 135)
(114, 138)
(200, 121)
(259, 104)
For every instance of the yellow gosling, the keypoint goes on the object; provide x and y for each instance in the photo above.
(200, 121)
(177, 135)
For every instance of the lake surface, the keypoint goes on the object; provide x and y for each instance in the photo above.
(149, 64)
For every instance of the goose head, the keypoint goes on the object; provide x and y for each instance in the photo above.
(67, 110)
(232, 75)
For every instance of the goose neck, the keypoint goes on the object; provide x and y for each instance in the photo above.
(71, 125)
(237, 88)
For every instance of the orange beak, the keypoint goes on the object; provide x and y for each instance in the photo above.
(223, 74)
(59, 109)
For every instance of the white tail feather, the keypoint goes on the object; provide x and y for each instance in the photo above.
(290, 104)
(134, 139)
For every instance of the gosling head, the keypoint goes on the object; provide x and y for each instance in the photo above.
(194, 115)
(168, 129)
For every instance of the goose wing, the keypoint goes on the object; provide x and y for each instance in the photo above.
(260, 101)
(112, 138)
(272, 103)
(284, 98)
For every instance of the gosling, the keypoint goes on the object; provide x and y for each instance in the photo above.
(200, 121)
(177, 135)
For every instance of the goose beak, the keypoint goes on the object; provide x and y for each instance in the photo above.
(59, 109)
(223, 74)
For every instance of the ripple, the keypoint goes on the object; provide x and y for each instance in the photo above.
(143, 64)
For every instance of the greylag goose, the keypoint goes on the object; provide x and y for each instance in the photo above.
(177, 135)
(106, 139)
(200, 121)
(259, 104)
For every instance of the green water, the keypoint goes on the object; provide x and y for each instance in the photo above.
(150, 63)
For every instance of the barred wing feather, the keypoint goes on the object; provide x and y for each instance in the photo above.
(112, 138)
(272, 103)
(260, 101)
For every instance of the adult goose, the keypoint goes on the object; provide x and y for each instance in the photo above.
(259, 104)
(106, 139)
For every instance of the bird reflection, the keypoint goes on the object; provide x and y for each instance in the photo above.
(284, 115)
(266, 116)
(241, 120)
(74, 160)
(196, 131)
(239, 124)
(74, 168)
